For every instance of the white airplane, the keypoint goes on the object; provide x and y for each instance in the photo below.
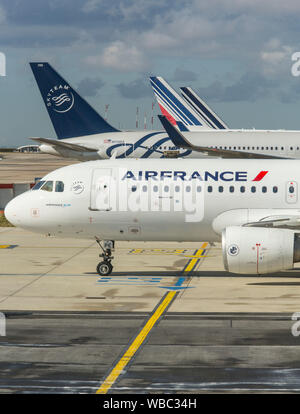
(252, 206)
(188, 114)
(84, 135)
(235, 143)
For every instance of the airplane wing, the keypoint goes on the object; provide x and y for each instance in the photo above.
(284, 221)
(64, 145)
(180, 141)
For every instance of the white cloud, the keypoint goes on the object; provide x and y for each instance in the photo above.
(91, 5)
(276, 57)
(120, 56)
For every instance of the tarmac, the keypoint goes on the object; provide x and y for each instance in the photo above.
(169, 319)
(49, 274)
(16, 167)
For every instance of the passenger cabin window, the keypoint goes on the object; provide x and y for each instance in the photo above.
(38, 185)
(59, 186)
(48, 186)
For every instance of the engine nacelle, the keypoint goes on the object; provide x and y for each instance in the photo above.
(254, 250)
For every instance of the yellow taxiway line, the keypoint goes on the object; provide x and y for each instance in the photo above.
(196, 257)
(117, 370)
(140, 338)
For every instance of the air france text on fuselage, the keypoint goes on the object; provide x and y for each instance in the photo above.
(195, 175)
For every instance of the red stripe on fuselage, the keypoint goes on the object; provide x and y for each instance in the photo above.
(260, 176)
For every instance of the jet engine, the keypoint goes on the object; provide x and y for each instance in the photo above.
(255, 250)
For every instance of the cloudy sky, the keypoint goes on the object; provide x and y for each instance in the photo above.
(235, 53)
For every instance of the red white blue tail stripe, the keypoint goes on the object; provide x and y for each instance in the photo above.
(202, 108)
(174, 107)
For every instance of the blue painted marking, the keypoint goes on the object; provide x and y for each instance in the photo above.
(180, 281)
(143, 281)
(177, 285)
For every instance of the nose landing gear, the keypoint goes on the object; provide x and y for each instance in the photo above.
(105, 267)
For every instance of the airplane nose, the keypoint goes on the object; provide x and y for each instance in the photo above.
(11, 211)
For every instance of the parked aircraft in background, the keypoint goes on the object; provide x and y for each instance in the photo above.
(84, 135)
(188, 114)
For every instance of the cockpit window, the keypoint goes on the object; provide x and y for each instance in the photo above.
(48, 186)
(38, 185)
(59, 186)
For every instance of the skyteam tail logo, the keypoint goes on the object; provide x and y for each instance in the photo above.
(60, 98)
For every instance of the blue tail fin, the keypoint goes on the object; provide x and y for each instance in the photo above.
(70, 114)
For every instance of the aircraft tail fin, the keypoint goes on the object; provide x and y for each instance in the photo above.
(174, 107)
(202, 108)
(70, 114)
(175, 136)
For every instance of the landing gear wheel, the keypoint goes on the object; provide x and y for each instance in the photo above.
(104, 268)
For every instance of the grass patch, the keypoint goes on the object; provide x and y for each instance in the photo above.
(4, 222)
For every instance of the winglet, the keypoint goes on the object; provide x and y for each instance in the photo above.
(174, 134)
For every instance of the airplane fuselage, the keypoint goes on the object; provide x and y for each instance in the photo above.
(158, 200)
(155, 144)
